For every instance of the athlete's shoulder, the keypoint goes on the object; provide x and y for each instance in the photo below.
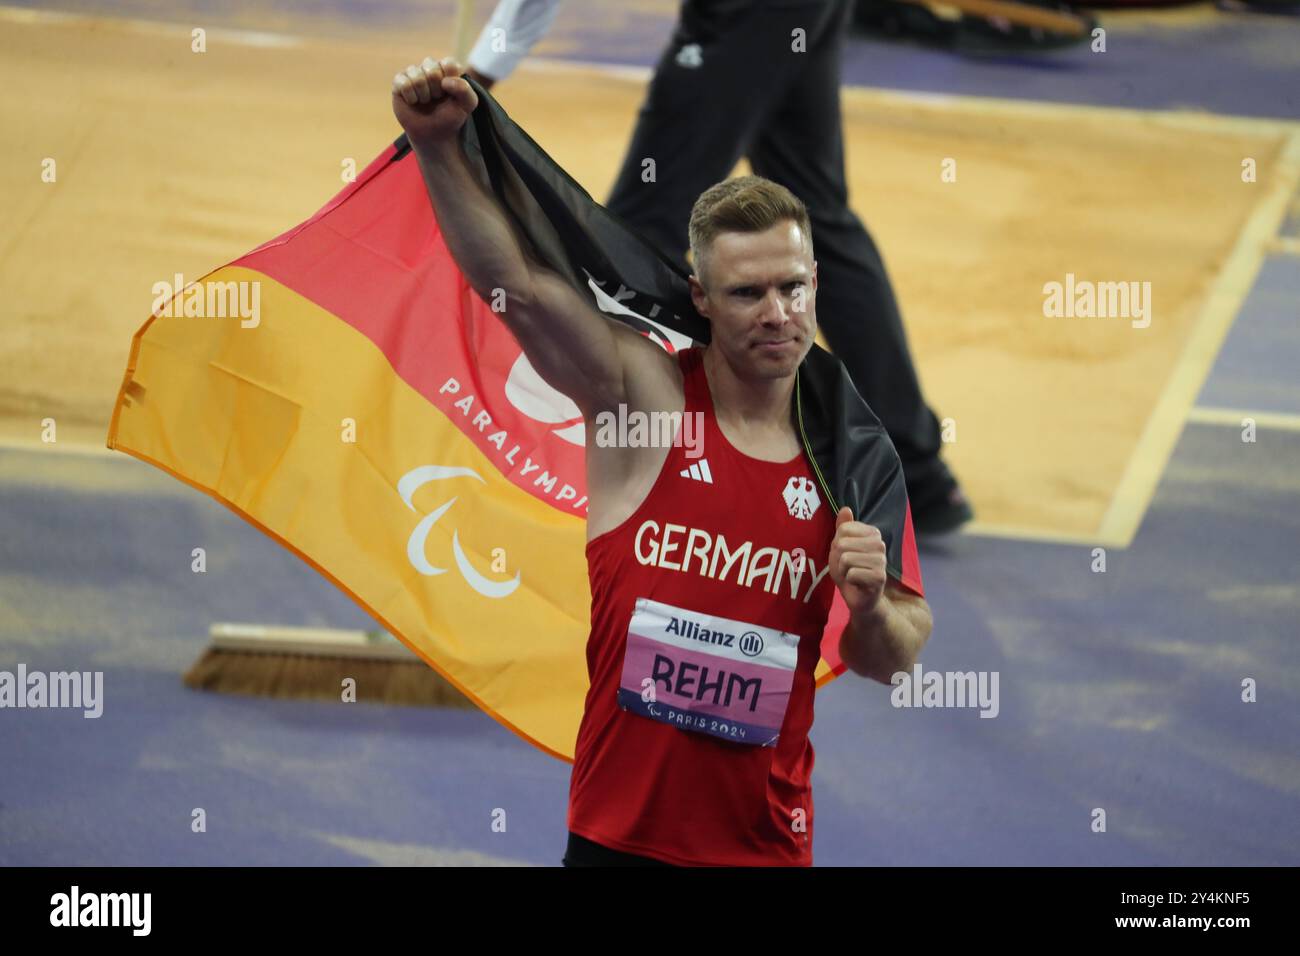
(653, 378)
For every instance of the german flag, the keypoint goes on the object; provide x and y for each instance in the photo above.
(375, 417)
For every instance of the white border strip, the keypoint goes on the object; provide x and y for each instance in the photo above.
(254, 38)
(991, 106)
(1204, 415)
(981, 529)
(57, 447)
(1191, 120)
(1147, 463)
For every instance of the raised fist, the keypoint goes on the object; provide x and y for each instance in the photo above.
(857, 562)
(433, 100)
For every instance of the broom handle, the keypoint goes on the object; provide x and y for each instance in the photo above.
(1018, 13)
(255, 631)
(317, 641)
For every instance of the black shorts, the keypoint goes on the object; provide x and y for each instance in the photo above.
(582, 852)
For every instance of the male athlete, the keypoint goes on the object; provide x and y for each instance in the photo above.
(711, 578)
(761, 79)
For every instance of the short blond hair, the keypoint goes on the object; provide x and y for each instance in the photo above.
(742, 204)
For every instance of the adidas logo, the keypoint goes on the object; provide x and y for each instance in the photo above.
(699, 471)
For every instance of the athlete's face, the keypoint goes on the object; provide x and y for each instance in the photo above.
(759, 299)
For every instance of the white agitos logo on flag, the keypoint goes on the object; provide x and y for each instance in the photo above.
(407, 485)
(530, 394)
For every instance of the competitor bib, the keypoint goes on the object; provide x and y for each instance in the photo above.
(708, 674)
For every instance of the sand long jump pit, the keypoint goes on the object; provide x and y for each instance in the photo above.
(1066, 273)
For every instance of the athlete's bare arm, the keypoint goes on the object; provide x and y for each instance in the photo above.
(888, 625)
(881, 643)
(595, 360)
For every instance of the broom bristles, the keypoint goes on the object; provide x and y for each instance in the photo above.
(302, 677)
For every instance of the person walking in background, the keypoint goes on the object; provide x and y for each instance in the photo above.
(761, 79)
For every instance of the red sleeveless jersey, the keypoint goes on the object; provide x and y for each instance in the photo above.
(708, 607)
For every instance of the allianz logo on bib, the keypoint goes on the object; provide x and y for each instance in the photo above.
(750, 643)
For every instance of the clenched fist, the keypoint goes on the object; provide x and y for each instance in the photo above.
(433, 100)
(857, 562)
